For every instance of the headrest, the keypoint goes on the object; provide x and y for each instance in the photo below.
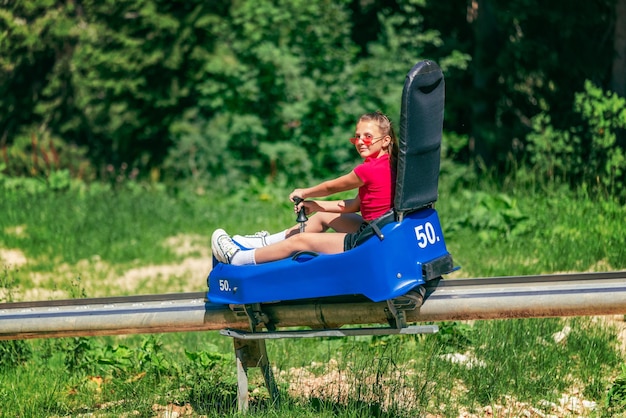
(421, 126)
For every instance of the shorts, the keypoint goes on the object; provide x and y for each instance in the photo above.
(368, 230)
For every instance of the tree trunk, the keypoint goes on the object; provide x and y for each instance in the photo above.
(488, 42)
(618, 76)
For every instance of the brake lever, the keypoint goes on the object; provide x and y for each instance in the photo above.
(302, 218)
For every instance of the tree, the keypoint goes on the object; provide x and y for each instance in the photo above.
(488, 44)
(268, 93)
(36, 45)
(134, 72)
(528, 57)
(618, 74)
(273, 86)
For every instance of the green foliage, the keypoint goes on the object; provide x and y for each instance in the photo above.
(220, 92)
(205, 360)
(201, 152)
(266, 95)
(86, 356)
(217, 93)
(490, 216)
(102, 372)
(76, 351)
(43, 155)
(8, 282)
(616, 396)
(554, 153)
(588, 152)
(211, 388)
(454, 337)
(605, 117)
(36, 40)
(527, 58)
(132, 68)
(13, 353)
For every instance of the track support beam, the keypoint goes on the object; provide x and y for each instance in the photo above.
(446, 300)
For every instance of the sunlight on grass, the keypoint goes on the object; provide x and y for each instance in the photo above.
(81, 245)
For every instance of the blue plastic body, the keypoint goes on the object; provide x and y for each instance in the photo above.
(378, 269)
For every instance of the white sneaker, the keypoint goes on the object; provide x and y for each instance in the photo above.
(224, 248)
(256, 240)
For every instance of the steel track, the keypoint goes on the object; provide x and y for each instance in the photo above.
(578, 294)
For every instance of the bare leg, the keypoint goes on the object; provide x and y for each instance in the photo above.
(331, 243)
(322, 221)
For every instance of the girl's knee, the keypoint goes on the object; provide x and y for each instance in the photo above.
(300, 239)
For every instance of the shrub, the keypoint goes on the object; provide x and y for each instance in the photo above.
(588, 152)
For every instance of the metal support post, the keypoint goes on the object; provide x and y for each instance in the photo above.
(252, 353)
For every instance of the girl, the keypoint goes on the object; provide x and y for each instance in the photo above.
(376, 143)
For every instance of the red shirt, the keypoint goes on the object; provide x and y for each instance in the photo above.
(376, 194)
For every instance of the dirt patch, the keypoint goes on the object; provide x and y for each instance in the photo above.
(189, 245)
(95, 277)
(18, 231)
(188, 275)
(342, 385)
(12, 257)
(191, 272)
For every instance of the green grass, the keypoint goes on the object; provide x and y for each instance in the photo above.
(77, 242)
(501, 235)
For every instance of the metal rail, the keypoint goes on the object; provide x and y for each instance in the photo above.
(487, 298)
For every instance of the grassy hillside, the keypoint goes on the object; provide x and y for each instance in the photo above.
(96, 242)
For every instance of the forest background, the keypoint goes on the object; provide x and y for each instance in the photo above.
(210, 102)
(226, 92)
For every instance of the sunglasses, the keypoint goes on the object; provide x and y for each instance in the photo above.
(367, 139)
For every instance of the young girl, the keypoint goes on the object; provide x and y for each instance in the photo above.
(376, 143)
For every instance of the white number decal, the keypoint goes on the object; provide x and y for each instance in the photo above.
(426, 235)
(224, 286)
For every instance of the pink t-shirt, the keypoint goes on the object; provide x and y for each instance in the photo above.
(376, 194)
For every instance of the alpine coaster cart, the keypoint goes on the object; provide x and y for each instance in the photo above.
(406, 250)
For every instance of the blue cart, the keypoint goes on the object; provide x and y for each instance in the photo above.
(405, 253)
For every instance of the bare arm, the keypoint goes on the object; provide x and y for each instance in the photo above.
(346, 182)
(333, 206)
(340, 184)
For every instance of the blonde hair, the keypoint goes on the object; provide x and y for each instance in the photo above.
(386, 128)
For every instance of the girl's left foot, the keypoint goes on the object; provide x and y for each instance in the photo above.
(256, 240)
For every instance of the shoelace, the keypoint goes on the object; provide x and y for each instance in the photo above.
(227, 245)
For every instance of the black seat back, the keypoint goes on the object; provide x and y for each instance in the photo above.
(421, 126)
